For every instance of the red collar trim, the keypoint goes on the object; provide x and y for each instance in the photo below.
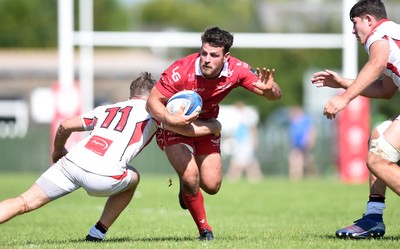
(376, 26)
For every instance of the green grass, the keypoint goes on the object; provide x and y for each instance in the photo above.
(275, 213)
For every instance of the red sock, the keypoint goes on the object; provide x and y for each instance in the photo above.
(195, 205)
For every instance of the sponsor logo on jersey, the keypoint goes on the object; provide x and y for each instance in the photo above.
(216, 141)
(199, 90)
(224, 86)
(98, 145)
(175, 74)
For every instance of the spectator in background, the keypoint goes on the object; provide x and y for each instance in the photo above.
(302, 139)
(244, 158)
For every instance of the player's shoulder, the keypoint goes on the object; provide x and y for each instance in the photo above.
(186, 62)
(119, 103)
(105, 106)
(189, 58)
(237, 63)
(384, 29)
(387, 24)
(239, 66)
(182, 68)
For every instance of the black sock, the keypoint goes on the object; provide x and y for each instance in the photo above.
(377, 198)
(99, 226)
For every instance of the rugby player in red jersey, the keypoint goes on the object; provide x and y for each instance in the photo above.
(213, 73)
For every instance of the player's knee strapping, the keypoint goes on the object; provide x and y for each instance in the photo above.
(384, 149)
(27, 208)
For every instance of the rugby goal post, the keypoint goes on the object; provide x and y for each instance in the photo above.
(85, 38)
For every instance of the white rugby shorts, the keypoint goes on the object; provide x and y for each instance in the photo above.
(65, 177)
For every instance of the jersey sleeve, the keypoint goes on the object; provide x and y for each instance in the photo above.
(164, 84)
(89, 119)
(248, 76)
(377, 35)
(172, 80)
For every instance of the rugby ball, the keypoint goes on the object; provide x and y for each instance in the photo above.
(191, 101)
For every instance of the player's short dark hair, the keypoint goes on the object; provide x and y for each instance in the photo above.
(142, 85)
(369, 7)
(217, 37)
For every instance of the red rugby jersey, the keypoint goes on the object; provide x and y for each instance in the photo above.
(185, 74)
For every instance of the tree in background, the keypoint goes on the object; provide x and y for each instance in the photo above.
(33, 23)
(28, 23)
(195, 16)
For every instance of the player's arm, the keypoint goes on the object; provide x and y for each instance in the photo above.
(369, 74)
(155, 106)
(381, 89)
(198, 128)
(63, 132)
(367, 78)
(266, 85)
(329, 78)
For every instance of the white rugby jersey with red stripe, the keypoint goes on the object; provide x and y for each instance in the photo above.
(389, 31)
(118, 133)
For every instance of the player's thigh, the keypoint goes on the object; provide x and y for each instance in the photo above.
(182, 160)
(103, 186)
(386, 147)
(135, 178)
(56, 181)
(210, 167)
(392, 134)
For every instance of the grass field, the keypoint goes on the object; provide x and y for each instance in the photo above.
(274, 213)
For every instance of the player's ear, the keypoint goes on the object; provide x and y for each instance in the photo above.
(226, 56)
(369, 19)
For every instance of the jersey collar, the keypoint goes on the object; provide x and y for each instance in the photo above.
(224, 71)
(375, 27)
(138, 97)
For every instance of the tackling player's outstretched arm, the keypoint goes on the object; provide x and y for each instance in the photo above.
(197, 128)
(371, 71)
(63, 132)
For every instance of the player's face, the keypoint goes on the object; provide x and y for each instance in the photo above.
(362, 28)
(212, 60)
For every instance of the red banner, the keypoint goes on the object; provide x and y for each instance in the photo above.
(67, 102)
(353, 134)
